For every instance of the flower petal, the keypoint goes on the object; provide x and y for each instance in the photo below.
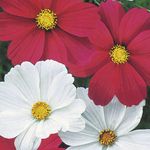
(72, 113)
(111, 13)
(13, 123)
(135, 140)
(132, 24)
(79, 20)
(54, 47)
(7, 144)
(93, 114)
(27, 48)
(61, 6)
(89, 67)
(26, 78)
(114, 113)
(132, 88)
(27, 139)
(129, 87)
(94, 145)
(19, 8)
(101, 37)
(47, 127)
(101, 88)
(86, 136)
(51, 143)
(140, 54)
(80, 52)
(47, 71)
(131, 119)
(77, 48)
(13, 27)
(11, 98)
(62, 92)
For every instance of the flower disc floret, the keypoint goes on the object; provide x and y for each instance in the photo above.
(46, 19)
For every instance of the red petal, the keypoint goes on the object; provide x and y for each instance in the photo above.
(135, 21)
(88, 68)
(79, 50)
(24, 8)
(140, 54)
(101, 37)
(60, 6)
(54, 47)
(12, 27)
(104, 83)
(111, 13)
(27, 48)
(79, 19)
(6, 144)
(120, 80)
(132, 88)
(51, 143)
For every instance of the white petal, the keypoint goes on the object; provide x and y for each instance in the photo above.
(62, 92)
(27, 139)
(86, 136)
(26, 79)
(11, 98)
(65, 116)
(91, 146)
(135, 140)
(131, 119)
(114, 113)
(47, 127)
(93, 113)
(13, 123)
(77, 124)
(47, 72)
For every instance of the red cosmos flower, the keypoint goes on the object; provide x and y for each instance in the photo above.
(47, 29)
(121, 65)
(51, 143)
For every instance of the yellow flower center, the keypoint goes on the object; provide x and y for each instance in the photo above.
(41, 110)
(46, 19)
(107, 137)
(119, 54)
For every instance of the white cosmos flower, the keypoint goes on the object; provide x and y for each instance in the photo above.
(36, 101)
(108, 127)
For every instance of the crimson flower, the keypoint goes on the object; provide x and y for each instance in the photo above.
(51, 143)
(121, 64)
(47, 29)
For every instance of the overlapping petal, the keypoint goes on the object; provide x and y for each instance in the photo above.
(111, 13)
(19, 8)
(132, 24)
(139, 48)
(27, 48)
(85, 17)
(129, 86)
(9, 29)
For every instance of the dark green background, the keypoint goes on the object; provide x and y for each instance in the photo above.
(5, 64)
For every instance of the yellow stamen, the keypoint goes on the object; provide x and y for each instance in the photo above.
(41, 110)
(107, 137)
(46, 19)
(119, 54)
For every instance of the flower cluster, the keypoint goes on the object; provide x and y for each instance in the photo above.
(52, 44)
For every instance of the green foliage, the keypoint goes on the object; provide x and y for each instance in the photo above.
(5, 64)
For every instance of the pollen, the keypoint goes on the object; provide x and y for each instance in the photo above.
(46, 19)
(107, 137)
(119, 54)
(41, 110)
